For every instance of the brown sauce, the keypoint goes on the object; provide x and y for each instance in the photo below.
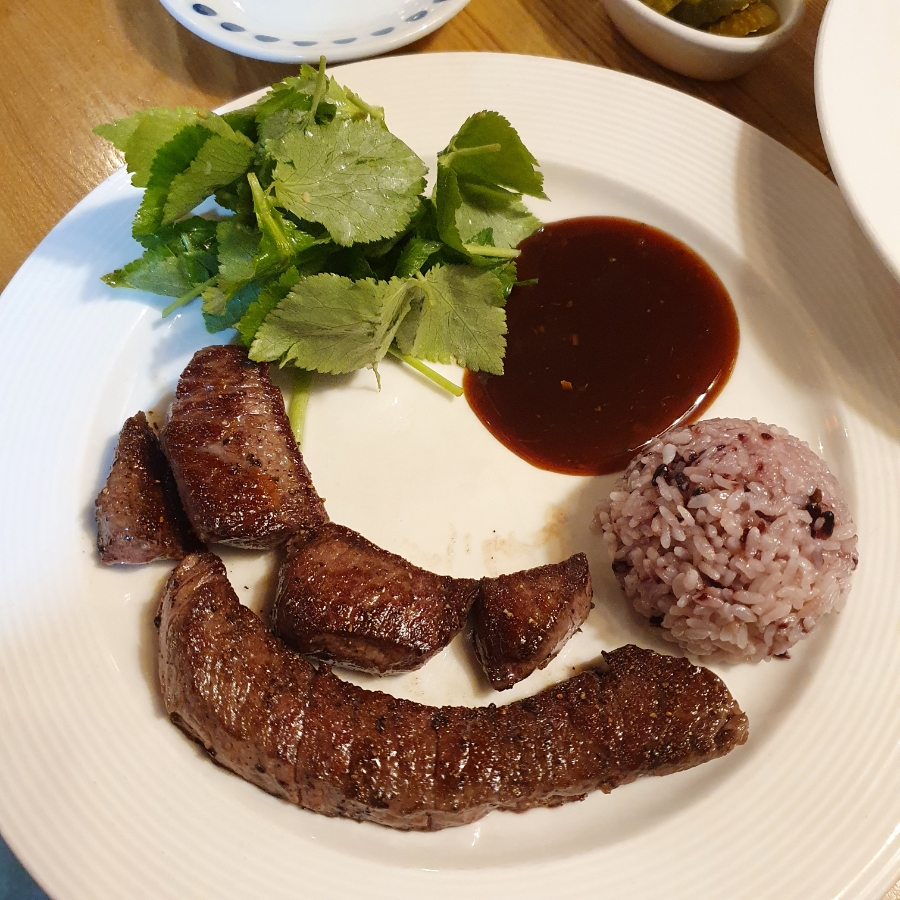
(626, 333)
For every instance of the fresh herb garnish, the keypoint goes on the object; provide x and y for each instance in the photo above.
(329, 255)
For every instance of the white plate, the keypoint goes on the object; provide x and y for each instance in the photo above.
(858, 98)
(102, 798)
(303, 30)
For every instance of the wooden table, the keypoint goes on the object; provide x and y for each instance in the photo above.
(65, 67)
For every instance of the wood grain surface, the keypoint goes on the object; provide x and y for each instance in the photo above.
(67, 66)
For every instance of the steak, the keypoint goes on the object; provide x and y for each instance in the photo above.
(139, 516)
(521, 621)
(345, 601)
(240, 475)
(340, 750)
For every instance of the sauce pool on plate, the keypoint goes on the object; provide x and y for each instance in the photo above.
(625, 332)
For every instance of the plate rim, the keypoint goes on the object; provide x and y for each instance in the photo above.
(286, 51)
(828, 42)
(663, 92)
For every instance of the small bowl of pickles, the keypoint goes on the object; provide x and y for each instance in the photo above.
(709, 39)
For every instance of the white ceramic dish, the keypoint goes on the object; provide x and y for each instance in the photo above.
(857, 79)
(291, 31)
(102, 798)
(695, 53)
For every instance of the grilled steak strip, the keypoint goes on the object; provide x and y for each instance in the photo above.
(345, 601)
(240, 475)
(340, 750)
(521, 621)
(139, 516)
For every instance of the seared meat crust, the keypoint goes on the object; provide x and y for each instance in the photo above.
(345, 601)
(240, 475)
(139, 516)
(340, 750)
(521, 621)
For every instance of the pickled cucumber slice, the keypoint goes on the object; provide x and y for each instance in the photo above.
(754, 18)
(662, 6)
(698, 13)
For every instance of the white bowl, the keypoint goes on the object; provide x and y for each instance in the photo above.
(696, 53)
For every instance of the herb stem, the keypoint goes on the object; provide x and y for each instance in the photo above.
(196, 291)
(298, 403)
(447, 158)
(318, 94)
(488, 250)
(428, 372)
(375, 113)
(265, 218)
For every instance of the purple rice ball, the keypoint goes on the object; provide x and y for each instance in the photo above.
(731, 536)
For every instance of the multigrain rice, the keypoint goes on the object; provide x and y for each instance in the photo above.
(732, 536)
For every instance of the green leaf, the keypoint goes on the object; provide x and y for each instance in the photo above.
(506, 274)
(221, 311)
(331, 324)
(414, 256)
(282, 242)
(243, 121)
(287, 104)
(459, 319)
(218, 162)
(236, 198)
(269, 297)
(176, 259)
(192, 235)
(468, 211)
(171, 160)
(355, 178)
(190, 167)
(142, 135)
(447, 203)
(157, 271)
(293, 93)
(238, 245)
(488, 149)
(489, 210)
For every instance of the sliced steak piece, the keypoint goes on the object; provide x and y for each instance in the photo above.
(343, 600)
(521, 621)
(226, 681)
(240, 475)
(340, 750)
(139, 516)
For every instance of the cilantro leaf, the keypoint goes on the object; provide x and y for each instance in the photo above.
(192, 235)
(292, 93)
(221, 311)
(281, 241)
(140, 136)
(289, 102)
(467, 211)
(493, 213)
(488, 149)
(170, 160)
(333, 256)
(334, 325)
(415, 255)
(480, 181)
(355, 178)
(188, 169)
(220, 160)
(176, 260)
(238, 244)
(459, 319)
(243, 121)
(269, 297)
(159, 271)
